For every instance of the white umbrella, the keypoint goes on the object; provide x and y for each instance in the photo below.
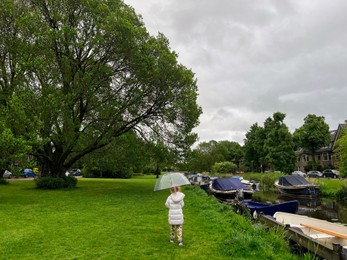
(169, 180)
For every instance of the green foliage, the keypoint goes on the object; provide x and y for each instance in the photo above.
(342, 153)
(341, 194)
(270, 147)
(70, 182)
(223, 167)
(314, 134)
(13, 149)
(206, 154)
(254, 148)
(267, 180)
(52, 183)
(86, 72)
(279, 146)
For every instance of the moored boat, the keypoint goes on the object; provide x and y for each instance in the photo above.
(256, 208)
(296, 186)
(323, 238)
(202, 181)
(230, 189)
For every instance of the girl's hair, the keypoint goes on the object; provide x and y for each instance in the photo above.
(175, 189)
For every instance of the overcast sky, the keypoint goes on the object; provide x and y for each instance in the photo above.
(253, 58)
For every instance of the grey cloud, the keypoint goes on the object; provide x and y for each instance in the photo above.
(254, 58)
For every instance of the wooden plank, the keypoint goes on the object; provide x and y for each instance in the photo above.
(326, 231)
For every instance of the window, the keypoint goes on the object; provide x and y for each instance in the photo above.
(326, 157)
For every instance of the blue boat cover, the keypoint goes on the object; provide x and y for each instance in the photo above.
(227, 184)
(292, 180)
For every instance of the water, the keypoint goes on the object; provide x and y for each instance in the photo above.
(321, 208)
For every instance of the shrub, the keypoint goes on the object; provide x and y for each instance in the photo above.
(56, 183)
(223, 167)
(341, 194)
(70, 182)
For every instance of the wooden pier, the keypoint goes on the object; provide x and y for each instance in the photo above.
(337, 252)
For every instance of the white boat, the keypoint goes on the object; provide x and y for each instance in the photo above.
(327, 233)
(320, 237)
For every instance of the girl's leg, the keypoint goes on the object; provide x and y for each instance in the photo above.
(179, 234)
(172, 233)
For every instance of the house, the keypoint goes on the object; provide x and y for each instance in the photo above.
(325, 156)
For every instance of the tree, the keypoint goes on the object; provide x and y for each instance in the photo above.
(254, 143)
(279, 145)
(313, 135)
(341, 150)
(234, 153)
(89, 72)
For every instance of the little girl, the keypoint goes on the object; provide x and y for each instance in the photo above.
(175, 204)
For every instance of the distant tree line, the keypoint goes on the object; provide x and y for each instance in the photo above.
(270, 147)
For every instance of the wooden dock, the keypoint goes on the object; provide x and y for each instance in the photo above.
(337, 252)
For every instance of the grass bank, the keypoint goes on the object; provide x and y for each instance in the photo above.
(124, 219)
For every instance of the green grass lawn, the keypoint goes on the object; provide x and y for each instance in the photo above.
(124, 219)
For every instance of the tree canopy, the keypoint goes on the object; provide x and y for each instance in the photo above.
(86, 72)
(314, 134)
(270, 146)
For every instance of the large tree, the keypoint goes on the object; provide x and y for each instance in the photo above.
(279, 145)
(313, 134)
(254, 144)
(87, 72)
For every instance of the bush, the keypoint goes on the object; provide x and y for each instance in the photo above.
(341, 194)
(56, 183)
(70, 182)
(223, 167)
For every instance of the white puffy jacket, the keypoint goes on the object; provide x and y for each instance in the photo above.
(175, 204)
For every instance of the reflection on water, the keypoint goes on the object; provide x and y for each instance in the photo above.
(321, 208)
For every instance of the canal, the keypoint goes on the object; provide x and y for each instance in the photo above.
(322, 208)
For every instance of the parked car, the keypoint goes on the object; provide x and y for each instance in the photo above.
(329, 173)
(314, 174)
(7, 175)
(75, 172)
(299, 173)
(26, 173)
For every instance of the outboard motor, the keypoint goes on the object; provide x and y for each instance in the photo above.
(239, 195)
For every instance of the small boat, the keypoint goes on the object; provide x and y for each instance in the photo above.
(321, 237)
(256, 208)
(230, 189)
(201, 180)
(295, 185)
(251, 185)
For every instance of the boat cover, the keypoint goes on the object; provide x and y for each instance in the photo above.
(227, 184)
(292, 180)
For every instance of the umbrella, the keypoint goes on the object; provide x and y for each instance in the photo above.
(169, 180)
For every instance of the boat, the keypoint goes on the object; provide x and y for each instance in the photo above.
(257, 208)
(230, 189)
(203, 181)
(295, 185)
(323, 238)
(251, 185)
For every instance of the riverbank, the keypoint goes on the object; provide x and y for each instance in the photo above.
(125, 219)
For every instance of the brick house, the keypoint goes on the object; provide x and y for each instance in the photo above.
(325, 156)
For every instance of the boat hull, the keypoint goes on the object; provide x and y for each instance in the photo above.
(256, 208)
(319, 243)
(300, 190)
